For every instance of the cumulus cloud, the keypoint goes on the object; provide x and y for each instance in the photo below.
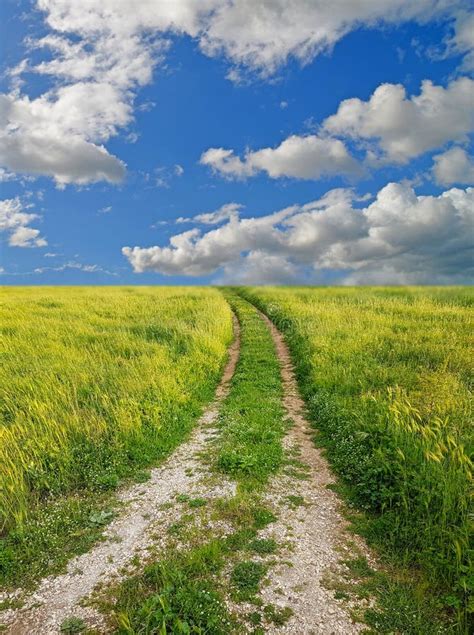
(262, 35)
(403, 128)
(302, 157)
(258, 267)
(243, 30)
(454, 166)
(400, 237)
(98, 53)
(390, 127)
(462, 41)
(58, 134)
(15, 222)
(192, 253)
(96, 61)
(225, 163)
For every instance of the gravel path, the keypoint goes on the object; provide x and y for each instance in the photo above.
(315, 532)
(130, 534)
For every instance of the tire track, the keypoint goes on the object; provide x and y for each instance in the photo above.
(315, 532)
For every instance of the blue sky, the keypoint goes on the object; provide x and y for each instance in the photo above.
(236, 111)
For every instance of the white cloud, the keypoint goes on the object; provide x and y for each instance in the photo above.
(97, 62)
(258, 34)
(307, 157)
(302, 157)
(462, 41)
(105, 210)
(162, 176)
(403, 128)
(98, 53)
(454, 166)
(26, 237)
(6, 176)
(146, 106)
(262, 35)
(226, 163)
(398, 237)
(50, 135)
(391, 127)
(225, 212)
(191, 253)
(78, 266)
(259, 267)
(15, 222)
(132, 137)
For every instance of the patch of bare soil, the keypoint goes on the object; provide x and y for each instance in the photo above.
(146, 510)
(309, 523)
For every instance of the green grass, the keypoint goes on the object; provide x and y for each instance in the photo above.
(176, 595)
(277, 616)
(251, 424)
(184, 591)
(72, 625)
(387, 378)
(388, 602)
(295, 501)
(263, 546)
(246, 577)
(54, 533)
(97, 384)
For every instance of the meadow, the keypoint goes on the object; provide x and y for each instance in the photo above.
(98, 383)
(387, 377)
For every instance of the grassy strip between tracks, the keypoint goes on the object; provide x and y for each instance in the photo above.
(252, 417)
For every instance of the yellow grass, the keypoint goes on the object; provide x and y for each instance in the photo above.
(98, 381)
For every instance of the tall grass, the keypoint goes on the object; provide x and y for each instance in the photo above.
(96, 382)
(387, 375)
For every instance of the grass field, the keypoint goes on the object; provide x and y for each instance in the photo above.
(387, 375)
(98, 383)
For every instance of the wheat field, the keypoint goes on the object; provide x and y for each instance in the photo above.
(100, 384)
(99, 381)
